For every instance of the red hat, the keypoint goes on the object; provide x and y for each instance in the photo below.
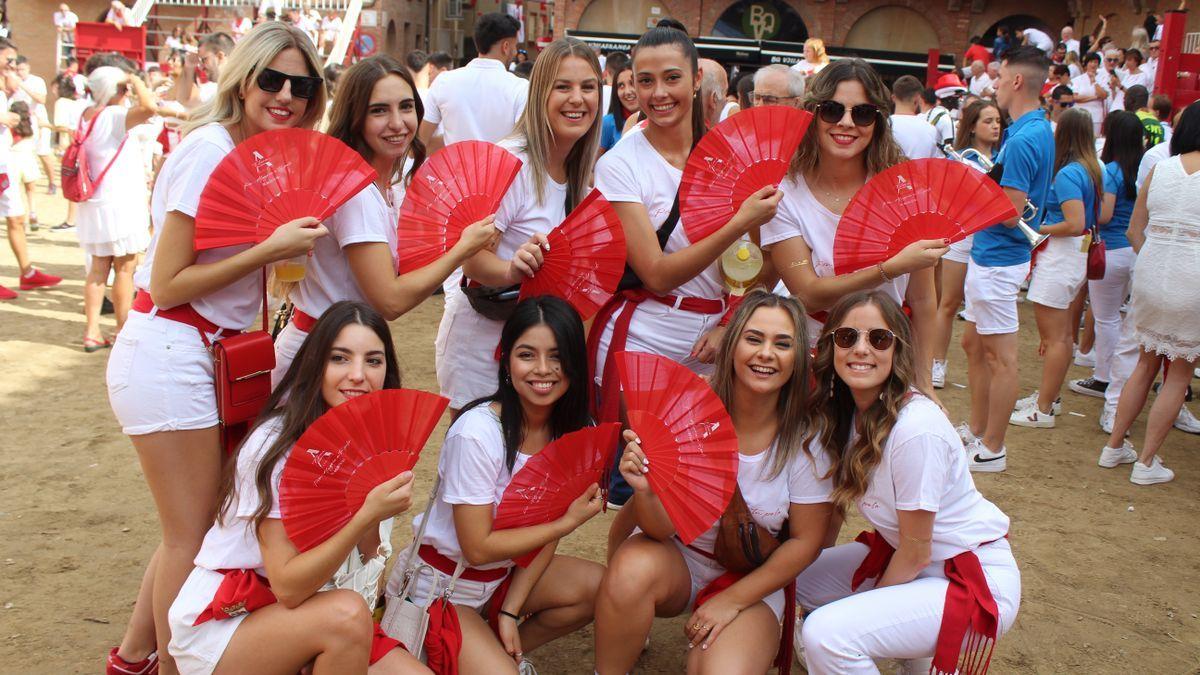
(949, 85)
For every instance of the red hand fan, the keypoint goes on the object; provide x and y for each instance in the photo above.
(274, 177)
(346, 453)
(919, 199)
(463, 183)
(735, 159)
(686, 434)
(585, 260)
(552, 479)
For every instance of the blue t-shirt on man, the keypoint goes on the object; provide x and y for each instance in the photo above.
(1072, 182)
(1028, 158)
(1112, 233)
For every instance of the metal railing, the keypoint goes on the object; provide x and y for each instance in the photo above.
(1191, 43)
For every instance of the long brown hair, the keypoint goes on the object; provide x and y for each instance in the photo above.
(349, 113)
(1074, 141)
(297, 401)
(970, 117)
(833, 413)
(882, 151)
(794, 395)
(534, 125)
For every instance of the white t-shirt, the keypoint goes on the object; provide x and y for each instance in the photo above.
(206, 91)
(979, 84)
(67, 112)
(234, 544)
(365, 218)
(1039, 39)
(941, 119)
(38, 113)
(1128, 79)
(1084, 86)
(479, 102)
(66, 19)
(472, 468)
(917, 138)
(633, 171)
(126, 179)
(520, 216)
(1073, 46)
(924, 468)
(801, 482)
(1152, 157)
(725, 112)
(801, 215)
(331, 26)
(180, 182)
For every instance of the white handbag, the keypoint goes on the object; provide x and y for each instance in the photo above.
(363, 577)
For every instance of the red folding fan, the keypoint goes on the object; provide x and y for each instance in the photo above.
(552, 479)
(274, 177)
(461, 184)
(686, 434)
(585, 260)
(346, 453)
(919, 199)
(735, 159)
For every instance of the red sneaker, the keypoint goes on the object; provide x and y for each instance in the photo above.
(38, 279)
(119, 666)
(7, 294)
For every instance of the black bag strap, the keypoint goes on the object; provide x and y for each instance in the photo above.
(630, 278)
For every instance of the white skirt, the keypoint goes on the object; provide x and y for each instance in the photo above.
(113, 228)
(1166, 300)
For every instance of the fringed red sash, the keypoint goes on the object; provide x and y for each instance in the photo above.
(443, 638)
(783, 657)
(970, 614)
(240, 592)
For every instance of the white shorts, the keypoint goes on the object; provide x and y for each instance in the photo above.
(664, 330)
(472, 594)
(1060, 272)
(960, 251)
(466, 353)
(160, 377)
(198, 649)
(12, 201)
(287, 345)
(44, 147)
(991, 295)
(704, 571)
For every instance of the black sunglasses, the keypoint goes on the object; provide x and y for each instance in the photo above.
(863, 114)
(880, 339)
(272, 80)
(1066, 104)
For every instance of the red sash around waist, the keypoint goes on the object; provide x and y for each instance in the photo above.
(622, 306)
(240, 592)
(185, 314)
(446, 566)
(443, 639)
(970, 613)
(303, 321)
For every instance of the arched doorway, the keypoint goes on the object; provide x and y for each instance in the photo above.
(761, 20)
(389, 40)
(897, 29)
(1018, 22)
(631, 17)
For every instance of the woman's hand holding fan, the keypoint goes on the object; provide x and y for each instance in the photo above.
(294, 238)
(388, 499)
(527, 259)
(759, 208)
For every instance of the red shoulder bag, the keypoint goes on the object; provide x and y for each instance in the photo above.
(242, 365)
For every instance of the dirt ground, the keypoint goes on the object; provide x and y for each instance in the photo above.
(1111, 578)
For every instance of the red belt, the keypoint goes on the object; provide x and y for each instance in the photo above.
(447, 566)
(303, 321)
(970, 613)
(443, 640)
(608, 402)
(185, 314)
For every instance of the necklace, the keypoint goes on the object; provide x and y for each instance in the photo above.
(836, 199)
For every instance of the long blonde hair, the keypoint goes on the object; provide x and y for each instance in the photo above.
(534, 124)
(793, 397)
(883, 151)
(834, 415)
(244, 64)
(818, 46)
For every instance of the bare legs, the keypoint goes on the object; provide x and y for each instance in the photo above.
(1162, 412)
(1057, 348)
(949, 301)
(139, 638)
(93, 291)
(992, 374)
(16, 241)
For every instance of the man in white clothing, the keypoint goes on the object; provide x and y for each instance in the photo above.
(210, 56)
(1069, 41)
(981, 83)
(33, 91)
(482, 100)
(917, 138)
(1038, 39)
(64, 23)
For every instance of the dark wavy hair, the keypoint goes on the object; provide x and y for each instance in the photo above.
(571, 412)
(297, 401)
(353, 98)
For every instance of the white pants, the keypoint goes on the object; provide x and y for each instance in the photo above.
(1107, 296)
(664, 330)
(851, 629)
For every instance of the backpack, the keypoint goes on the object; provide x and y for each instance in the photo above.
(77, 184)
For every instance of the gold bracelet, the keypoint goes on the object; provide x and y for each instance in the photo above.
(882, 274)
(797, 263)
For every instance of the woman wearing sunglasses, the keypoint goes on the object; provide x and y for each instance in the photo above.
(849, 142)
(160, 373)
(1092, 90)
(939, 549)
(377, 112)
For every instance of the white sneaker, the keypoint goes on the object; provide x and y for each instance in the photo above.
(1031, 400)
(1186, 421)
(964, 432)
(1150, 475)
(1031, 417)
(1106, 420)
(939, 374)
(985, 461)
(1112, 457)
(1087, 360)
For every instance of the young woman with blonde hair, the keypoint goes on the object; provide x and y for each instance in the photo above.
(888, 594)
(556, 139)
(160, 373)
(377, 112)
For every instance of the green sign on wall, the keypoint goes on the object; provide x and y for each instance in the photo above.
(761, 21)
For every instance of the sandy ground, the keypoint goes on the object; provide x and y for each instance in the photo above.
(1111, 578)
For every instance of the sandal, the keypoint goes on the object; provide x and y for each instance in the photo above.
(93, 345)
